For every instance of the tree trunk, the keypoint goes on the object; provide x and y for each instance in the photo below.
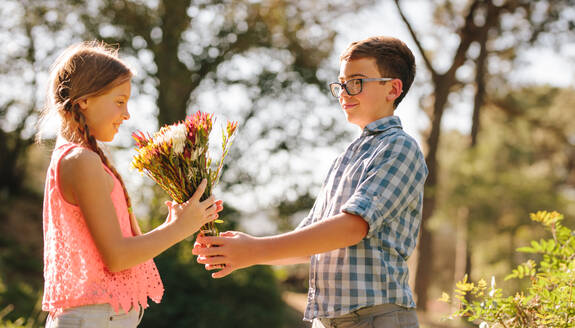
(461, 244)
(425, 257)
(442, 83)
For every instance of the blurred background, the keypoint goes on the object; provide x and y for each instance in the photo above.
(492, 106)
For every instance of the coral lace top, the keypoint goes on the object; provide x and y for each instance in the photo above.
(74, 272)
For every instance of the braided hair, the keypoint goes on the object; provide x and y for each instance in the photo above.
(85, 70)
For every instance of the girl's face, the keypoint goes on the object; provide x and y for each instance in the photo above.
(105, 113)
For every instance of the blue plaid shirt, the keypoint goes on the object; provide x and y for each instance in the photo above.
(379, 177)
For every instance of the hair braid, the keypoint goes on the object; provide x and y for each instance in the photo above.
(88, 140)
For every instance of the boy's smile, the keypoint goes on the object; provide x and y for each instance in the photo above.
(375, 100)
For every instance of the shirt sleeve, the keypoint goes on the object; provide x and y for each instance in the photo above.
(392, 181)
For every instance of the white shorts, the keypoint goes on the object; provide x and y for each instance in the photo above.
(95, 316)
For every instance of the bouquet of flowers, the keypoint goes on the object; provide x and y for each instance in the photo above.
(177, 158)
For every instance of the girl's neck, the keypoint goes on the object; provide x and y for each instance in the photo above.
(61, 140)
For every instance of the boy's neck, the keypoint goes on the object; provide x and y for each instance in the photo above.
(376, 119)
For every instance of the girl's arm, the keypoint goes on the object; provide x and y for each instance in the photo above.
(85, 183)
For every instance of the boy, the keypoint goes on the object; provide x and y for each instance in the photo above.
(364, 223)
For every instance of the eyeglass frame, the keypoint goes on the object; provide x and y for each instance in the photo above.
(343, 85)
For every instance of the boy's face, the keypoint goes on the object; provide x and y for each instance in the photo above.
(375, 101)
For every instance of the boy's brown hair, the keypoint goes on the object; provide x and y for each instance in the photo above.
(393, 58)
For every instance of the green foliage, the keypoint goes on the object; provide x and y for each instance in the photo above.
(20, 263)
(521, 165)
(18, 323)
(247, 298)
(549, 299)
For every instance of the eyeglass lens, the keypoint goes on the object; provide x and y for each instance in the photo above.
(352, 87)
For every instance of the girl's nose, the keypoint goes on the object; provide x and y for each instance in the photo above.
(126, 114)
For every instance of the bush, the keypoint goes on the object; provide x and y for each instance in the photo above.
(247, 298)
(548, 300)
(21, 262)
(18, 323)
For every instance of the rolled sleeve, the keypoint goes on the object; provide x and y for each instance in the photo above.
(392, 180)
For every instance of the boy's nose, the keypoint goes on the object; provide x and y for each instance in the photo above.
(343, 93)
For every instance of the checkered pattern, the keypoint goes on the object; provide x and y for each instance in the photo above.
(379, 177)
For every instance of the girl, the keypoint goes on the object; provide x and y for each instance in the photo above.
(98, 266)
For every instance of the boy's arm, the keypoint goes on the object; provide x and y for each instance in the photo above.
(289, 261)
(238, 250)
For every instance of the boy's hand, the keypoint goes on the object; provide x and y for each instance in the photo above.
(231, 251)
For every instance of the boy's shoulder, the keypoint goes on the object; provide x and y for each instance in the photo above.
(398, 138)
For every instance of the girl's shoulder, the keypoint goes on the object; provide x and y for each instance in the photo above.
(80, 161)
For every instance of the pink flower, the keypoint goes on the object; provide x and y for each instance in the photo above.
(177, 158)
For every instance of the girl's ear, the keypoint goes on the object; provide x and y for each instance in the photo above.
(83, 103)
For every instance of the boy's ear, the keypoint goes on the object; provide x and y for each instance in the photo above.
(396, 89)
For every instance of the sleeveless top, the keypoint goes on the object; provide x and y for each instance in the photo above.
(74, 271)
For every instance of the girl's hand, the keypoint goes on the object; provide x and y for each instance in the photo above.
(231, 251)
(191, 215)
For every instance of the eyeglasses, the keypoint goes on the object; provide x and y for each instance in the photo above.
(354, 86)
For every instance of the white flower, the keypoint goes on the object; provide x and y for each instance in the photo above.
(174, 135)
(161, 137)
(483, 325)
(179, 135)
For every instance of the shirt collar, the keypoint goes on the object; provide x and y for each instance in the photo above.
(382, 125)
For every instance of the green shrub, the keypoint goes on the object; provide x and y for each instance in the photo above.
(18, 323)
(247, 298)
(548, 300)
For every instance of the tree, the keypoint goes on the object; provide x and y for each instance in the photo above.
(267, 55)
(17, 109)
(260, 62)
(523, 164)
(23, 30)
(481, 23)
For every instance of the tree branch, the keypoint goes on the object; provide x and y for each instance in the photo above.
(416, 40)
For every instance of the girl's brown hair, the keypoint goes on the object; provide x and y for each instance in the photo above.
(84, 70)
(393, 58)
